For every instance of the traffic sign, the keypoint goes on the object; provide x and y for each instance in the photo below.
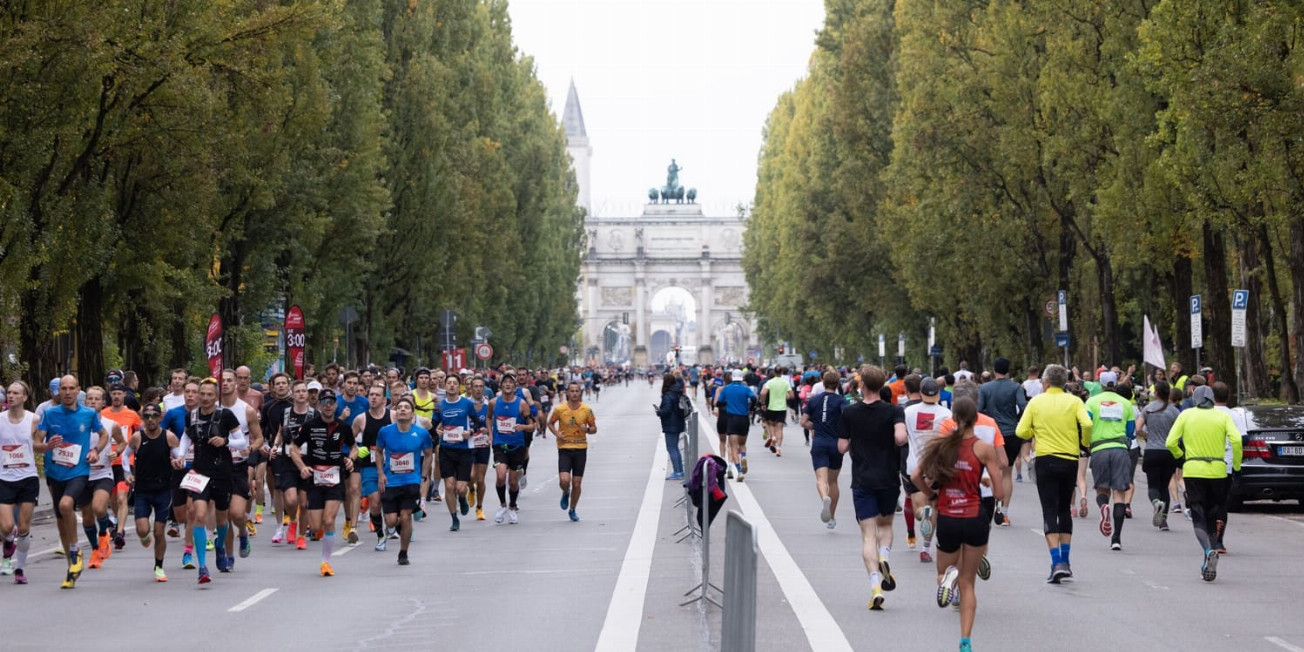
(1062, 339)
(1240, 301)
(1197, 325)
(564, 349)
(935, 351)
(882, 345)
(1062, 298)
(484, 351)
(813, 353)
(1051, 303)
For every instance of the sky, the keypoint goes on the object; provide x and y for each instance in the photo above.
(692, 80)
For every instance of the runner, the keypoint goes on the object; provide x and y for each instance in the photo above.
(94, 502)
(1205, 434)
(1221, 392)
(130, 423)
(175, 421)
(775, 394)
(325, 440)
(19, 485)
(176, 396)
(951, 468)
(241, 473)
(1113, 423)
(1003, 400)
(923, 421)
(694, 379)
(151, 479)
(349, 405)
(822, 416)
(457, 423)
(212, 432)
(257, 461)
(733, 403)
(1154, 424)
(288, 481)
(571, 423)
(272, 418)
(366, 428)
(403, 455)
(871, 431)
(422, 397)
(1060, 423)
(510, 419)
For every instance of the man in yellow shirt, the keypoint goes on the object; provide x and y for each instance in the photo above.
(1060, 423)
(571, 423)
(1206, 434)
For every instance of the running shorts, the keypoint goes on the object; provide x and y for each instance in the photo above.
(92, 486)
(572, 461)
(286, 473)
(240, 481)
(482, 455)
(370, 480)
(1012, 447)
(774, 416)
(14, 492)
(405, 497)
(73, 488)
(954, 532)
(513, 458)
(824, 454)
(318, 495)
(1111, 468)
(737, 425)
(455, 463)
(218, 491)
(159, 502)
(872, 503)
(179, 495)
(908, 485)
(721, 424)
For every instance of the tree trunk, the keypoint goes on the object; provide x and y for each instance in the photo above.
(1219, 354)
(1255, 383)
(90, 333)
(1183, 288)
(1297, 300)
(36, 349)
(1289, 386)
(1108, 309)
(180, 347)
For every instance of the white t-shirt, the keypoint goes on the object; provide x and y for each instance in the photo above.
(1032, 387)
(173, 400)
(963, 374)
(923, 420)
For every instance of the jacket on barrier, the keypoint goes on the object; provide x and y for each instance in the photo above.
(710, 469)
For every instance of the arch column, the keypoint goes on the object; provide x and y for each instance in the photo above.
(704, 350)
(642, 338)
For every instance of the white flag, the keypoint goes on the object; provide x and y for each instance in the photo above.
(1153, 349)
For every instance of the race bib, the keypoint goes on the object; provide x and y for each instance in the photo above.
(326, 476)
(404, 463)
(1110, 411)
(480, 440)
(194, 481)
(67, 454)
(454, 434)
(239, 455)
(190, 455)
(506, 425)
(16, 457)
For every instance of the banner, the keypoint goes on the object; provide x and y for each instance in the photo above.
(294, 339)
(1153, 349)
(213, 348)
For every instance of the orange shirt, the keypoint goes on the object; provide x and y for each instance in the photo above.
(130, 423)
(898, 389)
(985, 429)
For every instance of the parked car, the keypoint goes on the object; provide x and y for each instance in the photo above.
(1272, 437)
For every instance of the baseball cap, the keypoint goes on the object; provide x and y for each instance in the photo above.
(1107, 378)
(54, 385)
(314, 386)
(738, 374)
(113, 376)
(117, 387)
(928, 388)
(326, 395)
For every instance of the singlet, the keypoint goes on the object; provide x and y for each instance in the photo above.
(424, 408)
(456, 420)
(507, 415)
(371, 427)
(17, 457)
(240, 410)
(102, 469)
(291, 423)
(959, 498)
(153, 467)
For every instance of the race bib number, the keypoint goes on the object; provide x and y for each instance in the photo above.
(506, 425)
(190, 455)
(16, 457)
(480, 440)
(67, 454)
(194, 481)
(1110, 411)
(454, 434)
(326, 476)
(403, 463)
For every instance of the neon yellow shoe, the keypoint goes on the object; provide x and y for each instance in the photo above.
(876, 602)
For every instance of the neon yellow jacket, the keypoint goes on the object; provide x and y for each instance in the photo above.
(1206, 433)
(1060, 423)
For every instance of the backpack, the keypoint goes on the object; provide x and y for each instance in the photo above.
(685, 406)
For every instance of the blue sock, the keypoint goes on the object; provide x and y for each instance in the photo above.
(1055, 557)
(244, 539)
(201, 545)
(220, 542)
(105, 525)
(1064, 552)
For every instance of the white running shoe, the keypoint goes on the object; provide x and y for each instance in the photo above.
(524, 483)
(511, 517)
(825, 515)
(502, 513)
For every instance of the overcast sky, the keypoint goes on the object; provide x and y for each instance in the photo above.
(689, 79)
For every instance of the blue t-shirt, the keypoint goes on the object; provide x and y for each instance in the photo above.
(396, 445)
(76, 427)
(944, 397)
(693, 375)
(825, 411)
(736, 398)
(357, 406)
(520, 393)
(457, 414)
(508, 410)
(174, 420)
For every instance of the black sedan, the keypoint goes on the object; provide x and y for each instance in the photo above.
(1272, 437)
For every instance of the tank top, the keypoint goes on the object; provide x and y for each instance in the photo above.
(959, 498)
(153, 467)
(240, 410)
(17, 457)
(371, 427)
(102, 469)
(427, 408)
(507, 415)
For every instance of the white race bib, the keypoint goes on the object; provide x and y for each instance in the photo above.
(239, 455)
(194, 481)
(190, 455)
(404, 463)
(506, 425)
(480, 439)
(1110, 411)
(454, 434)
(17, 456)
(67, 454)
(327, 476)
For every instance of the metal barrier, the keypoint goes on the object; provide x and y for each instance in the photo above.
(738, 626)
(699, 524)
(689, 455)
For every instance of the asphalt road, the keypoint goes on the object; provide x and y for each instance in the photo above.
(615, 580)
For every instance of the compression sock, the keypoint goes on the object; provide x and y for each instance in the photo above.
(378, 525)
(502, 493)
(513, 494)
(1120, 513)
(327, 546)
(910, 521)
(158, 563)
(24, 543)
(876, 579)
(1102, 500)
(106, 525)
(1056, 556)
(1064, 552)
(883, 552)
(201, 544)
(90, 531)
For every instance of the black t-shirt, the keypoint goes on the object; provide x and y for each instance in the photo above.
(272, 416)
(871, 429)
(291, 423)
(325, 441)
(212, 461)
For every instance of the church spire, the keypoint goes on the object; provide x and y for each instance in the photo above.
(573, 117)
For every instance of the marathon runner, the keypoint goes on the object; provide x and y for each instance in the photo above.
(273, 417)
(240, 493)
(366, 428)
(1113, 423)
(19, 485)
(175, 421)
(571, 423)
(94, 502)
(176, 396)
(1205, 434)
(129, 421)
(403, 455)
(457, 422)
(733, 403)
(351, 403)
(822, 416)
(151, 478)
(1003, 400)
(923, 421)
(775, 395)
(510, 420)
(288, 481)
(325, 440)
(66, 431)
(211, 433)
(1153, 425)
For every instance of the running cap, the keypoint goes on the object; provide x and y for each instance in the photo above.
(928, 388)
(738, 374)
(1107, 379)
(1002, 366)
(326, 395)
(1202, 396)
(54, 385)
(314, 386)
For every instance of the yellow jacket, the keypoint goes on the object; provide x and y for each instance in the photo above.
(1060, 423)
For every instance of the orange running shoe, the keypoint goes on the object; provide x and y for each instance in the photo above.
(294, 528)
(326, 570)
(301, 544)
(96, 559)
(366, 505)
(106, 547)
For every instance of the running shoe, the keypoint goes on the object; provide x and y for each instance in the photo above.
(1018, 477)
(145, 540)
(1222, 550)
(10, 547)
(729, 473)
(826, 505)
(998, 517)
(966, 646)
(1082, 508)
(573, 516)
(174, 530)
(889, 582)
(984, 569)
(925, 521)
(876, 600)
(351, 535)
(209, 546)
(470, 492)
(222, 565)
(280, 534)
(1127, 510)
(159, 575)
(1106, 520)
(381, 544)
(1059, 572)
(326, 570)
(457, 525)
(436, 499)
(96, 559)
(743, 465)
(1159, 512)
(204, 577)
(1177, 507)
(925, 558)
(75, 568)
(104, 547)
(292, 532)
(511, 517)
(258, 515)
(565, 500)
(187, 561)
(833, 523)
(69, 582)
(955, 598)
(403, 558)
(119, 541)
(393, 534)
(1163, 525)
(301, 544)
(523, 482)
(251, 528)
(1115, 545)
(502, 514)
(479, 513)
(19, 577)
(910, 542)
(7, 566)
(246, 548)
(1209, 569)
(463, 505)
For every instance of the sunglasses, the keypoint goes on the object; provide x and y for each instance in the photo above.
(151, 415)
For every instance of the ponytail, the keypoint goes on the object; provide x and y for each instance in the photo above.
(938, 462)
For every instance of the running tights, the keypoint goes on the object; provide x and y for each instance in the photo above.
(1205, 497)
(1056, 480)
(1159, 467)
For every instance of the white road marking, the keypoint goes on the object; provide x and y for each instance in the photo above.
(1283, 644)
(1038, 532)
(1287, 520)
(822, 631)
(347, 548)
(625, 612)
(255, 599)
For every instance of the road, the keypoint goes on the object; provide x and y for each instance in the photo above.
(615, 579)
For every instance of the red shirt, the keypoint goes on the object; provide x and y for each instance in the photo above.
(960, 497)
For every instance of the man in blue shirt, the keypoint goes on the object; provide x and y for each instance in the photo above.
(735, 400)
(65, 438)
(403, 454)
(821, 415)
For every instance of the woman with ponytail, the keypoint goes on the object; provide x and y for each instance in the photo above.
(951, 469)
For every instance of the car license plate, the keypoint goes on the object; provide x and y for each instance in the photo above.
(1290, 451)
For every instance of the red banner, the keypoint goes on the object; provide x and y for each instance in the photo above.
(213, 348)
(454, 360)
(294, 340)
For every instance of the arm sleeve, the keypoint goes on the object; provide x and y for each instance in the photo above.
(1234, 437)
(126, 459)
(183, 445)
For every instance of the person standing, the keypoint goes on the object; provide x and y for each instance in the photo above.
(822, 415)
(571, 424)
(871, 431)
(672, 422)
(1205, 434)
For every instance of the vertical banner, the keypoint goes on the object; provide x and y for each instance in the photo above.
(213, 348)
(294, 339)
